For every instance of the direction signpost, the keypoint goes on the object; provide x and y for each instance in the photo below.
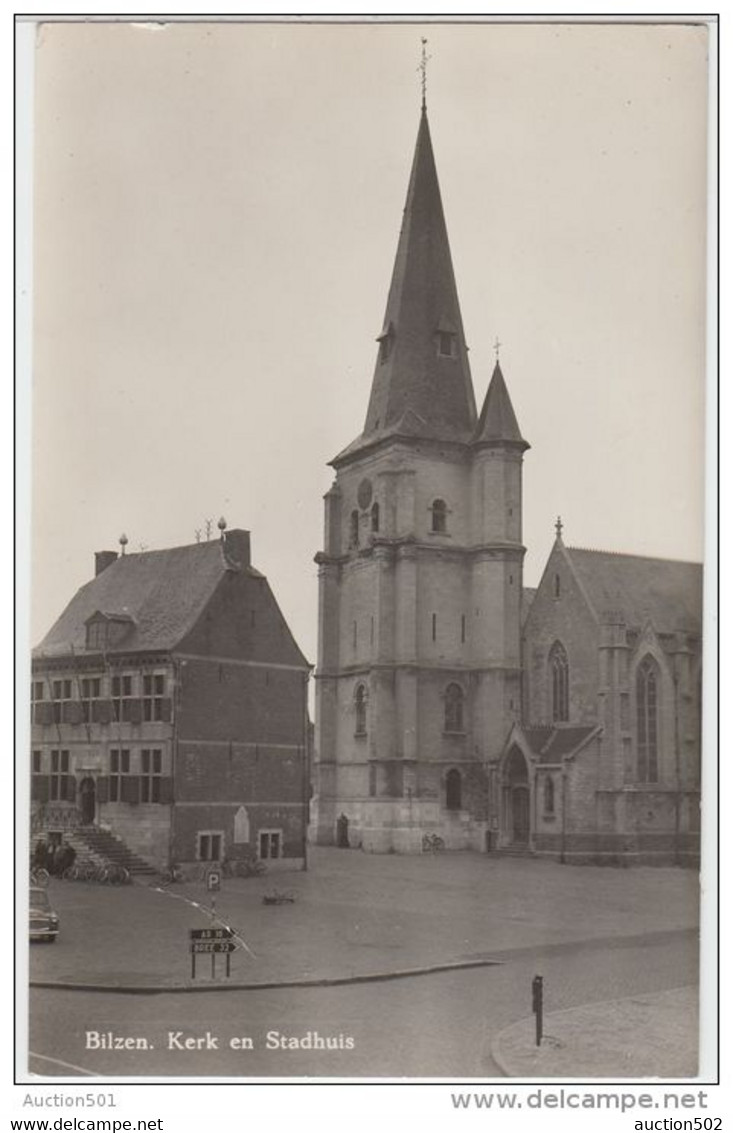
(211, 942)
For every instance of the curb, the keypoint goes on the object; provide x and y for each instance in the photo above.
(264, 985)
(499, 1059)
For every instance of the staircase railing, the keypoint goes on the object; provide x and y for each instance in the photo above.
(50, 817)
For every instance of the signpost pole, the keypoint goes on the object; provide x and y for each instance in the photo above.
(213, 965)
(193, 965)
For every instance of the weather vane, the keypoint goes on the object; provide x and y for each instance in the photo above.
(423, 69)
(558, 527)
(497, 346)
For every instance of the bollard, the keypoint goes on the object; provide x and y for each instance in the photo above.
(537, 1007)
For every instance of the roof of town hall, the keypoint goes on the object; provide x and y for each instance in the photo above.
(666, 592)
(162, 592)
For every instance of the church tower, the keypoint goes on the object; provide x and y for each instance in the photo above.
(420, 579)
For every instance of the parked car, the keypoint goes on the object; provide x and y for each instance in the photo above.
(44, 922)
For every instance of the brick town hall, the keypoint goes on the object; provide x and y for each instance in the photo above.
(451, 700)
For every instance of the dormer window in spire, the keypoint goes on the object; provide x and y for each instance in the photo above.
(386, 340)
(447, 339)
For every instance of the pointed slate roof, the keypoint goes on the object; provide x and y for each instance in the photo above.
(498, 421)
(667, 592)
(161, 593)
(551, 744)
(417, 390)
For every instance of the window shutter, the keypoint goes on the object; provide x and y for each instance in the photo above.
(130, 789)
(102, 789)
(40, 788)
(102, 711)
(166, 710)
(133, 711)
(166, 789)
(68, 788)
(44, 712)
(71, 712)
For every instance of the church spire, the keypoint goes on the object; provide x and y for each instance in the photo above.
(422, 382)
(498, 423)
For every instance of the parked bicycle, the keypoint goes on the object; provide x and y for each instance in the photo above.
(40, 877)
(172, 874)
(432, 844)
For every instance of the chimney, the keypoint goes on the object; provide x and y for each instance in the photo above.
(103, 559)
(236, 547)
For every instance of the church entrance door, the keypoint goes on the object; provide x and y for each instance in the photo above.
(520, 815)
(88, 793)
(516, 822)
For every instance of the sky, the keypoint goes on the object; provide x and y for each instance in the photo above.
(216, 214)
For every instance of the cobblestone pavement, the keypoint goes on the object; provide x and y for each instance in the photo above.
(356, 914)
(637, 1037)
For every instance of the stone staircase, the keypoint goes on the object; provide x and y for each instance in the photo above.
(101, 844)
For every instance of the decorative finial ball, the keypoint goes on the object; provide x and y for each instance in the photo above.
(222, 524)
(123, 540)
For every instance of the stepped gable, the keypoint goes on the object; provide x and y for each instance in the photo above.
(160, 594)
(665, 591)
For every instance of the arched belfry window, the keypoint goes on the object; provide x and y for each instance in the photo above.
(453, 792)
(647, 721)
(360, 710)
(439, 516)
(559, 680)
(375, 516)
(354, 529)
(453, 708)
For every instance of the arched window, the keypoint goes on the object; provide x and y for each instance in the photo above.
(647, 703)
(549, 795)
(354, 529)
(453, 708)
(559, 678)
(439, 513)
(360, 704)
(453, 790)
(375, 516)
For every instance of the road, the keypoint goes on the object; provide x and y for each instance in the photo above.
(431, 1026)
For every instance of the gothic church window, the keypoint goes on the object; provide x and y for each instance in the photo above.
(647, 730)
(360, 707)
(453, 708)
(439, 515)
(453, 790)
(559, 678)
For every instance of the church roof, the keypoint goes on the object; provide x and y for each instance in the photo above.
(498, 421)
(160, 593)
(422, 382)
(551, 744)
(666, 591)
